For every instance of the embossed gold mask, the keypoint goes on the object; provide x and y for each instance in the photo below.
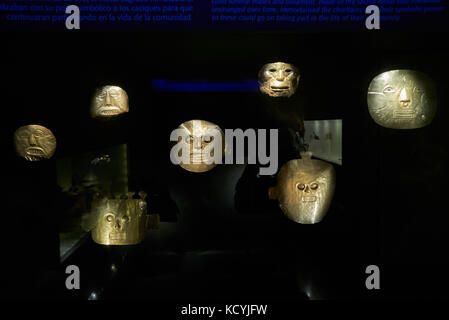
(402, 99)
(304, 189)
(34, 142)
(278, 79)
(109, 101)
(200, 142)
(119, 221)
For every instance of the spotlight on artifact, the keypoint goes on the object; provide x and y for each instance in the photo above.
(402, 99)
(34, 142)
(200, 145)
(109, 101)
(278, 79)
(304, 189)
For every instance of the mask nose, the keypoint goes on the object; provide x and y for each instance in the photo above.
(404, 98)
(117, 225)
(280, 75)
(197, 144)
(307, 189)
(32, 140)
(107, 99)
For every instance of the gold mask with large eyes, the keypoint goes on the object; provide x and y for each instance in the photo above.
(278, 79)
(109, 101)
(34, 142)
(402, 99)
(118, 221)
(304, 189)
(202, 138)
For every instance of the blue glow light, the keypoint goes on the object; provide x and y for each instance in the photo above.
(248, 85)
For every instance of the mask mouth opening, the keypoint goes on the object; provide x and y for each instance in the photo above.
(309, 199)
(404, 114)
(108, 110)
(199, 157)
(196, 160)
(280, 88)
(117, 235)
(35, 151)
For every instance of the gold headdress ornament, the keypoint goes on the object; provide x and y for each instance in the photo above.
(119, 221)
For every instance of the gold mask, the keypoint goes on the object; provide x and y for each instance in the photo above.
(278, 79)
(34, 142)
(109, 101)
(304, 189)
(119, 221)
(199, 142)
(402, 99)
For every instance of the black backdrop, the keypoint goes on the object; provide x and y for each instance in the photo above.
(389, 207)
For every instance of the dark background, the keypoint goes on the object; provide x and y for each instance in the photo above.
(388, 210)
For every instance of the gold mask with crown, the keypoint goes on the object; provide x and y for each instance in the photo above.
(119, 221)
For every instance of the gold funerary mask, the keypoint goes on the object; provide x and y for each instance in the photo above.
(202, 139)
(109, 101)
(304, 189)
(278, 79)
(402, 99)
(119, 221)
(34, 142)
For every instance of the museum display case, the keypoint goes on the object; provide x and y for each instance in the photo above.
(92, 183)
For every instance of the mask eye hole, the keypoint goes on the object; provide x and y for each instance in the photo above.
(125, 218)
(189, 139)
(272, 70)
(208, 139)
(314, 186)
(288, 70)
(38, 133)
(109, 218)
(389, 89)
(300, 186)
